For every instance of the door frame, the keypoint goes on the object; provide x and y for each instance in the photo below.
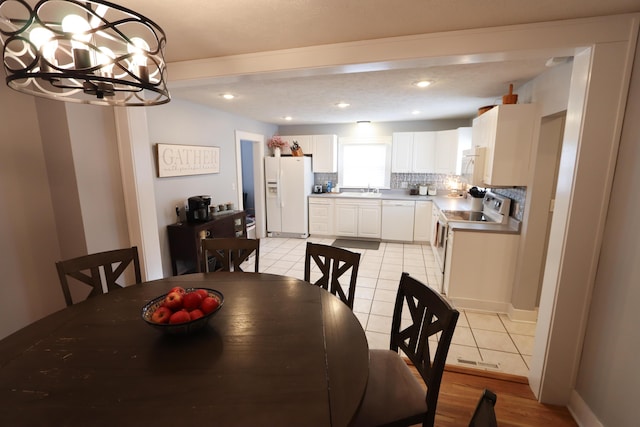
(258, 177)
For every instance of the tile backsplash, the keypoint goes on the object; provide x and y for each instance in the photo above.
(518, 195)
(440, 180)
(397, 179)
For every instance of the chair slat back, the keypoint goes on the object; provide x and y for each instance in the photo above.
(87, 269)
(430, 314)
(230, 252)
(333, 263)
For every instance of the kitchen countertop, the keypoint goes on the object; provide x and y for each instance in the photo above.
(382, 195)
(443, 202)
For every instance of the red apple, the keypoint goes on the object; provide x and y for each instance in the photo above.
(191, 300)
(180, 316)
(173, 301)
(202, 292)
(196, 314)
(179, 289)
(209, 304)
(161, 315)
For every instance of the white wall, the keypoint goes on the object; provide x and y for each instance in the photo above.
(550, 92)
(181, 122)
(608, 377)
(99, 183)
(28, 237)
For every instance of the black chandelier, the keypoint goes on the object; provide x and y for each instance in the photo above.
(85, 51)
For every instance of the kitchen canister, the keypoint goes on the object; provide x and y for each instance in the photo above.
(476, 204)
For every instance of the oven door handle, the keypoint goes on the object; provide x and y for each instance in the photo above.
(441, 231)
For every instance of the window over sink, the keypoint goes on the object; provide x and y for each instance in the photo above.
(364, 162)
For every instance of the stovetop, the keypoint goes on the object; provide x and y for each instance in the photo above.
(470, 216)
(495, 208)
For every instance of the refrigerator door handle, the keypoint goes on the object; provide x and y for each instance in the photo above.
(280, 177)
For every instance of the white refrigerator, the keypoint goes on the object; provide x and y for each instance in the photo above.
(289, 181)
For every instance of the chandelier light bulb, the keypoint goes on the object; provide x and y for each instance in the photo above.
(105, 57)
(140, 48)
(44, 42)
(79, 28)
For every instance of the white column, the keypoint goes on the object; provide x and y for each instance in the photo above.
(136, 163)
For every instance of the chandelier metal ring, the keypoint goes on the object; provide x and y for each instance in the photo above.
(85, 51)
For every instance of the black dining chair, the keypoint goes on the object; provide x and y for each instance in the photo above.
(89, 269)
(228, 253)
(485, 414)
(394, 397)
(333, 264)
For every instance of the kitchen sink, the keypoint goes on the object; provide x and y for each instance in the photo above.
(355, 194)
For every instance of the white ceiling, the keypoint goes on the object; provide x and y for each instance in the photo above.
(457, 91)
(198, 29)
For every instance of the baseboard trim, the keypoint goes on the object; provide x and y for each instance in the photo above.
(480, 305)
(487, 374)
(581, 411)
(522, 315)
(479, 373)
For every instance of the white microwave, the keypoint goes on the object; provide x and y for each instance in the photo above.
(472, 167)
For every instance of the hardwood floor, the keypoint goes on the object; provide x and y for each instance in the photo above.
(461, 389)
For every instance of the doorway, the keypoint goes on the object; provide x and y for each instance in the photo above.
(250, 179)
(551, 134)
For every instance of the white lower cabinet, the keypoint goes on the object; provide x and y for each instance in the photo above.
(321, 213)
(357, 218)
(346, 219)
(480, 269)
(422, 222)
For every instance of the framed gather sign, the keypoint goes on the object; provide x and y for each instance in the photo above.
(182, 160)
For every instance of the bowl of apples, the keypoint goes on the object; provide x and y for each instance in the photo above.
(182, 310)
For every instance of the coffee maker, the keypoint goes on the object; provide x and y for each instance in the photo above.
(198, 208)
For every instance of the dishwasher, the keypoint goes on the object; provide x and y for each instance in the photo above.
(397, 220)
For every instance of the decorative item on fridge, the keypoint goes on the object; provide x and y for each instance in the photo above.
(296, 151)
(276, 144)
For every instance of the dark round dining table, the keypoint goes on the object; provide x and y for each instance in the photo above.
(280, 352)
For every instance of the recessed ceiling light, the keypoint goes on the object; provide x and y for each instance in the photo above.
(422, 83)
(342, 104)
(228, 96)
(288, 118)
(415, 112)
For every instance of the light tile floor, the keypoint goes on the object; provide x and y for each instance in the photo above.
(481, 340)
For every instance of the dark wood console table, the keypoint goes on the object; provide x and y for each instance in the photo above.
(184, 238)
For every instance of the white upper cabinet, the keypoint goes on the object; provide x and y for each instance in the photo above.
(446, 152)
(402, 152)
(413, 152)
(464, 143)
(325, 153)
(424, 147)
(322, 148)
(507, 133)
(449, 147)
(430, 152)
